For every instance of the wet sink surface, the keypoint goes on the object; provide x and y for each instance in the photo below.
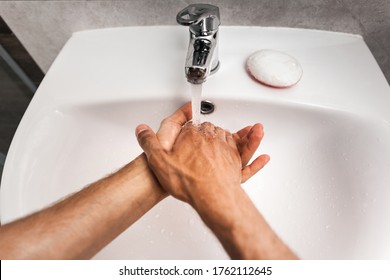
(325, 190)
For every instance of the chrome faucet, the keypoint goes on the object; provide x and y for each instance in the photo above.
(202, 55)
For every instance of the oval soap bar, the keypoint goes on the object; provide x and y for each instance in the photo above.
(274, 68)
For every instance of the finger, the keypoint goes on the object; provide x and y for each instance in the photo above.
(182, 115)
(243, 132)
(248, 171)
(255, 136)
(249, 143)
(171, 126)
(148, 141)
(168, 133)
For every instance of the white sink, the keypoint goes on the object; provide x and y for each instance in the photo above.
(325, 191)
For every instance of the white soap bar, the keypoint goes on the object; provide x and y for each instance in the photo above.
(274, 68)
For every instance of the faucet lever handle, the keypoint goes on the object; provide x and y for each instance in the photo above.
(202, 18)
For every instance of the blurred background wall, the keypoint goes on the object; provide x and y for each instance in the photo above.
(43, 27)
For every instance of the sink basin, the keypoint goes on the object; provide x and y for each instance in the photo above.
(325, 190)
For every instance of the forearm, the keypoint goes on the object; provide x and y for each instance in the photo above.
(79, 226)
(243, 231)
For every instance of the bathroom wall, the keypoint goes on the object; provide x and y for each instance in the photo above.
(44, 26)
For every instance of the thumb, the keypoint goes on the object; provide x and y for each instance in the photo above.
(148, 141)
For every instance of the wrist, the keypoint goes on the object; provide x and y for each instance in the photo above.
(221, 211)
(237, 224)
(146, 177)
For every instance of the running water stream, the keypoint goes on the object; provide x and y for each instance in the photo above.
(196, 95)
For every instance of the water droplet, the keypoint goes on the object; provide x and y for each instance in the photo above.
(162, 230)
(327, 227)
(157, 216)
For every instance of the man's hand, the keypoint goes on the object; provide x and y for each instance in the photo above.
(205, 165)
(202, 160)
(247, 139)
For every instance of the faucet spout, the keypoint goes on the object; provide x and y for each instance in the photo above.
(202, 59)
(202, 55)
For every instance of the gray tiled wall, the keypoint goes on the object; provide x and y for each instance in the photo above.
(44, 26)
